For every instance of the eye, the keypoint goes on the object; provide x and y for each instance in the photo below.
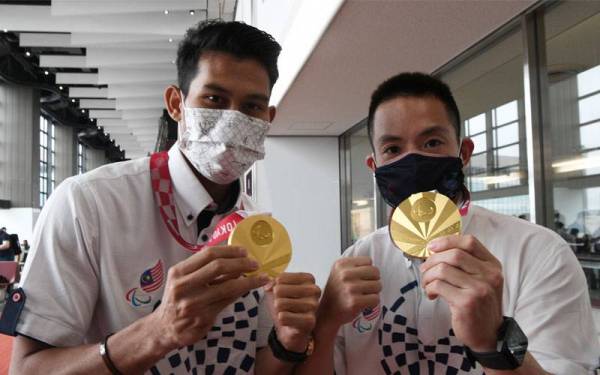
(255, 107)
(433, 143)
(391, 150)
(214, 99)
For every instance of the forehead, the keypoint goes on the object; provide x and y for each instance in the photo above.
(230, 71)
(410, 114)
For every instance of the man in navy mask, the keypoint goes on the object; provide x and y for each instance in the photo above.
(504, 297)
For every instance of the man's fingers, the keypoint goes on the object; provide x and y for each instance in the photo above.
(234, 288)
(366, 287)
(441, 288)
(467, 243)
(205, 256)
(296, 278)
(362, 273)
(224, 268)
(454, 257)
(354, 261)
(450, 274)
(296, 305)
(296, 291)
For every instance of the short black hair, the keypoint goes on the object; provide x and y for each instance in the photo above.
(236, 38)
(413, 84)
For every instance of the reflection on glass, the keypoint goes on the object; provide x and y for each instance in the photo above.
(573, 58)
(507, 156)
(506, 113)
(476, 125)
(362, 210)
(589, 109)
(590, 136)
(517, 205)
(488, 89)
(506, 135)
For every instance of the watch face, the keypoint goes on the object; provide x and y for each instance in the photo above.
(515, 340)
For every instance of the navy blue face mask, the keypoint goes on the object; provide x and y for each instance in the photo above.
(417, 173)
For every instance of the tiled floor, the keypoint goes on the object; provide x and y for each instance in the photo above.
(5, 350)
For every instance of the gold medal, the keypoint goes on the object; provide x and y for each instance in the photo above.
(419, 219)
(266, 241)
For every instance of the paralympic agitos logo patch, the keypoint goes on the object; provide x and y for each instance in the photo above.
(150, 280)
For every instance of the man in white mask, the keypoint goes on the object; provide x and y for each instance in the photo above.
(128, 274)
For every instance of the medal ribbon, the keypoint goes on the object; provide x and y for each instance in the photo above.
(162, 186)
(463, 210)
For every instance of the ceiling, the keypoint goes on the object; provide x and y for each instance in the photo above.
(370, 40)
(112, 58)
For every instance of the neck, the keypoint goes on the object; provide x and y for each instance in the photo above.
(217, 192)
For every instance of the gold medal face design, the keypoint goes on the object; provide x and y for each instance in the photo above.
(419, 219)
(267, 242)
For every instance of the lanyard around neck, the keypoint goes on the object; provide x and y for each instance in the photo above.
(162, 186)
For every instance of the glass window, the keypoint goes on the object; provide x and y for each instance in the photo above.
(573, 65)
(488, 88)
(362, 186)
(81, 157)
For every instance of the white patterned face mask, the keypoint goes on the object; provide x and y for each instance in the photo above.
(222, 144)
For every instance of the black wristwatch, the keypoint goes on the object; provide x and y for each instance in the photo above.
(281, 353)
(511, 347)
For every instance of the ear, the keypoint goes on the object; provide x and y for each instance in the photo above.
(370, 162)
(466, 150)
(272, 113)
(173, 102)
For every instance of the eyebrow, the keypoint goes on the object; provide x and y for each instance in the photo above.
(435, 129)
(429, 131)
(223, 90)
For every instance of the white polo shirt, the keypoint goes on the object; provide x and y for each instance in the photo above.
(544, 290)
(100, 259)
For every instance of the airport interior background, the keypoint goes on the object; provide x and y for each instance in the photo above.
(81, 85)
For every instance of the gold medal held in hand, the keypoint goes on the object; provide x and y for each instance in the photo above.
(266, 241)
(419, 219)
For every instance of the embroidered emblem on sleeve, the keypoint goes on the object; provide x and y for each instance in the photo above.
(150, 280)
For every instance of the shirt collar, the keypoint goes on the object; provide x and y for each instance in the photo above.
(190, 195)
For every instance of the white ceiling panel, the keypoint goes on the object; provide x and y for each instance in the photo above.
(77, 78)
(166, 74)
(135, 114)
(87, 7)
(128, 48)
(88, 92)
(62, 61)
(44, 40)
(139, 103)
(136, 91)
(98, 103)
(105, 113)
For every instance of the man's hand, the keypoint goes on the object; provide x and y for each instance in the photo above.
(198, 289)
(293, 300)
(354, 285)
(465, 274)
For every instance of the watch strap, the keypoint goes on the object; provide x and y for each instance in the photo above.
(281, 353)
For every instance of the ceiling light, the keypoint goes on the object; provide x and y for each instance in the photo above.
(46, 72)
(578, 164)
(27, 53)
(60, 87)
(170, 40)
(166, 11)
(83, 111)
(192, 12)
(72, 100)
